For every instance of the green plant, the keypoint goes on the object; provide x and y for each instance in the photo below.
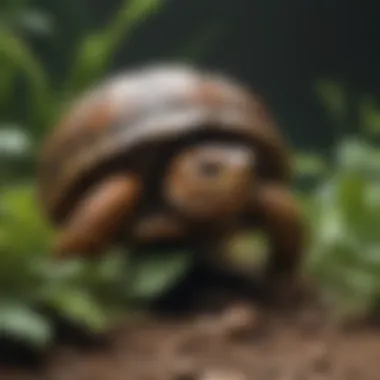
(365, 111)
(344, 209)
(88, 292)
(90, 58)
(93, 293)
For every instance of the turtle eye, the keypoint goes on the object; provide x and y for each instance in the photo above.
(210, 169)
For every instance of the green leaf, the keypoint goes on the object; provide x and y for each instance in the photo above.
(345, 244)
(96, 50)
(21, 322)
(18, 53)
(350, 197)
(333, 97)
(369, 116)
(20, 216)
(14, 141)
(78, 304)
(35, 22)
(248, 250)
(155, 274)
(63, 272)
(353, 154)
(309, 164)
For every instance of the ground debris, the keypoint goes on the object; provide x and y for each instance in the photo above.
(237, 343)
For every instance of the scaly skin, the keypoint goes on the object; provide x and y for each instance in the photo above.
(281, 218)
(94, 222)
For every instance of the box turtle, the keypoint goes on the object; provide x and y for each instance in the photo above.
(169, 153)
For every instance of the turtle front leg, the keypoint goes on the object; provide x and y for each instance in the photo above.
(96, 219)
(279, 215)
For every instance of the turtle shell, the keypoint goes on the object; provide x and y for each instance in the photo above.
(130, 117)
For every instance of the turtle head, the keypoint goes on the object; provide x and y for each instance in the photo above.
(210, 180)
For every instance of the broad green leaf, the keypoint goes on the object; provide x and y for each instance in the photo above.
(78, 304)
(21, 322)
(20, 215)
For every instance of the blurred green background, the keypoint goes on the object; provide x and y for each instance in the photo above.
(314, 62)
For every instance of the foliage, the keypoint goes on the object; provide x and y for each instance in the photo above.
(91, 57)
(344, 213)
(94, 52)
(92, 293)
(335, 98)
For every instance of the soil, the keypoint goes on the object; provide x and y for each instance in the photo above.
(236, 343)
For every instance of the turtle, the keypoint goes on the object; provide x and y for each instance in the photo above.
(169, 154)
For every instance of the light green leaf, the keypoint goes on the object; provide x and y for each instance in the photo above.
(353, 154)
(21, 322)
(350, 197)
(14, 141)
(79, 305)
(20, 216)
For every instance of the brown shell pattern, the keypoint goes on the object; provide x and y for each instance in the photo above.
(153, 104)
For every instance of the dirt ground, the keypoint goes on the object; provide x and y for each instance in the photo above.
(236, 343)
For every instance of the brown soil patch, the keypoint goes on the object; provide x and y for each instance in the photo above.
(236, 344)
